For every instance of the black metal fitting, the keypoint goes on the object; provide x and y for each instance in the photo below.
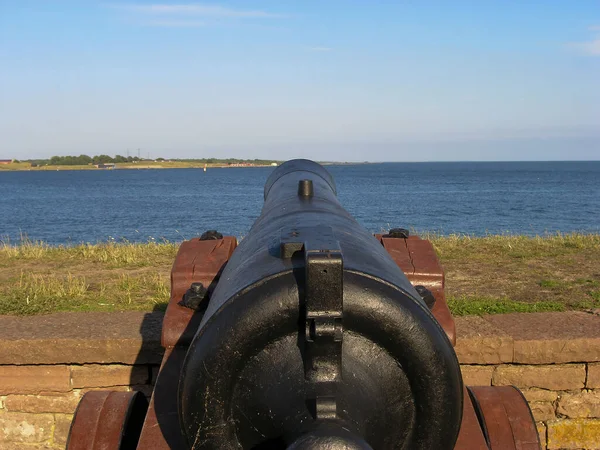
(426, 295)
(195, 296)
(211, 235)
(305, 188)
(399, 233)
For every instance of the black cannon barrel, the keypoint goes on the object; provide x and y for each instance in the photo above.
(314, 338)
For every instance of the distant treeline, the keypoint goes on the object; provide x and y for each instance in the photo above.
(83, 160)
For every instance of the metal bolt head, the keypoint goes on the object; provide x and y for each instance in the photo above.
(195, 297)
(426, 295)
(211, 235)
(400, 233)
(197, 288)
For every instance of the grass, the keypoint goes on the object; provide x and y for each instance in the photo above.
(513, 273)
(484, 275)
(38, 278)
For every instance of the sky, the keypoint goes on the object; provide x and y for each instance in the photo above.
(327, 80)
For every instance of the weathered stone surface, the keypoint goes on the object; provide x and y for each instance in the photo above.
(539, 395)
(98, 375)
(574, 434)
(47, 403)
(593, 378)
(106, 388)
(541, 429)
(554, 377)
(479, 342)
(551, 337)
(21, 446)
(580, 404)
(61, 429)
(542, 411)
(477, 375)
(22, 427)
(92, 337)
(34, 379)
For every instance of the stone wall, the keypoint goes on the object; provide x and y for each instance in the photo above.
(37, 402)
(48, 362)
(552, 357)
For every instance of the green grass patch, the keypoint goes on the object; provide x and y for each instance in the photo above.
(550, 283)
(472, 305)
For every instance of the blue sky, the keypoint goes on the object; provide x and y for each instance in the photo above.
(329, 80)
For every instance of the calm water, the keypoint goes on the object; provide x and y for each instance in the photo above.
(139, 205)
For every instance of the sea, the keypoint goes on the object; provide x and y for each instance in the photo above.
(475, 198)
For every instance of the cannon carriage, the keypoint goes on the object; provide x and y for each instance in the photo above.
(311, 333)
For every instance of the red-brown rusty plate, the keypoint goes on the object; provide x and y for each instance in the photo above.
(505, 417)
(107, 420)
(161, 429)
(471, 435)
(196, 262)
(417, 259)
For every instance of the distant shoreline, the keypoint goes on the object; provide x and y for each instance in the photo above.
(145, 166)
(25, 167)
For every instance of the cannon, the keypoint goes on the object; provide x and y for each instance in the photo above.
(311, 333)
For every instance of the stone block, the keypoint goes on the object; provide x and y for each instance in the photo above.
(99, 375)
(541, 429)
(593, 376)
(477, 375)
(542, 411)
(34, 379)
(61, 428)
(580, 404)
(105, 388)
(478, 342)
(128, 337)
(552, 377)
(551, 337)
(21, 446)
(574, 434)
(47, 403)
(23, 427)
(539, 395)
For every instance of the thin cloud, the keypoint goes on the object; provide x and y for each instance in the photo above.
(198, 10)
(589, 48)
(174, 23)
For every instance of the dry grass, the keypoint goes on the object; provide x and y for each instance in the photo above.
(554, 272)
(38, 278)
(491, 274)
